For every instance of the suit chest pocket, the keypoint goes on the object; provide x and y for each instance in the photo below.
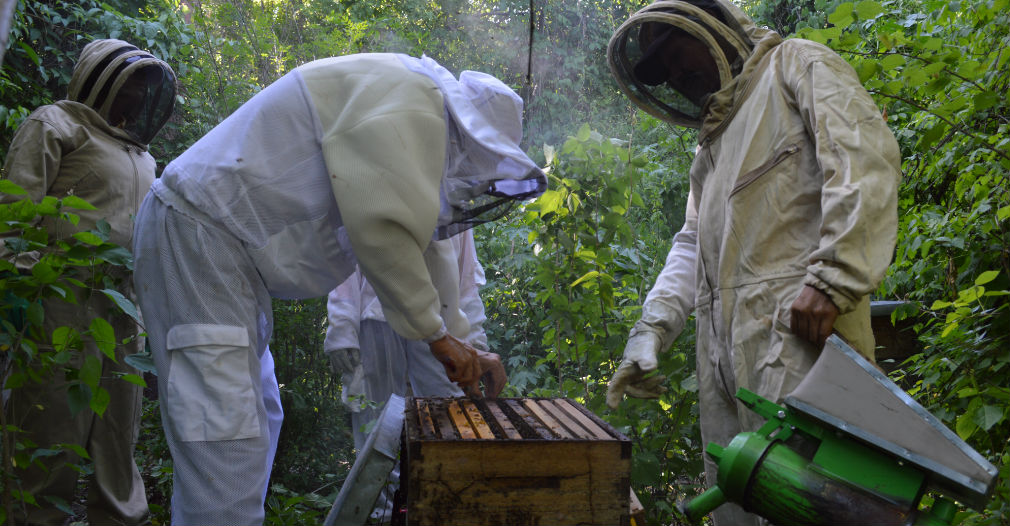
(754, 175)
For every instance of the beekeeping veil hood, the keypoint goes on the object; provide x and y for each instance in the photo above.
(128, 87)
(486, 172)
(638, 56)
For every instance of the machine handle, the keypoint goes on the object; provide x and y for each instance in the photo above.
(703, 504)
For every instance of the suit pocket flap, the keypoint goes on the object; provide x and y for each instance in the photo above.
(200, 334)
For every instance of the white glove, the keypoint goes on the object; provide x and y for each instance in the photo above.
(640, 358)
(344, 361)
(352, 392)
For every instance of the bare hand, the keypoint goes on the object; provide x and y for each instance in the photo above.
(459, 359)
(813, 316)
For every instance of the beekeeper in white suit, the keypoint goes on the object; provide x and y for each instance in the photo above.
(792, 214)
(357, 159)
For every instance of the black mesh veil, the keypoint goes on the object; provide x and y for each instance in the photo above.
(637, 41)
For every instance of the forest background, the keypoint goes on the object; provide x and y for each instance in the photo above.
(568, 272)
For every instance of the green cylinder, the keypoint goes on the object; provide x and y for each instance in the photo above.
(770, 479)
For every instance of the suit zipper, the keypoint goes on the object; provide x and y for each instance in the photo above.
(756, 173)
(136, 176)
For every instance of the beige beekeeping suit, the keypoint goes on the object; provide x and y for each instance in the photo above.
(70, 148)
(794, 183)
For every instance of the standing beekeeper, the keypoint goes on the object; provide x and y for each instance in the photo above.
(791, 217)
(373, 361)
(92, 145)
(361, 159)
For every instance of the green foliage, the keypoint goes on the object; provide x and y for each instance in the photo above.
(289, 507)
(60, 270)
(154, 459)
(596, 247)
(315, 450)
(553, 53)
(787, 17)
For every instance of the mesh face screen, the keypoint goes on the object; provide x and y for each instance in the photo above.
(660, 100)
(148, 98)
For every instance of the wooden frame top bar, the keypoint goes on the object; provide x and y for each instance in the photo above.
(505, 419)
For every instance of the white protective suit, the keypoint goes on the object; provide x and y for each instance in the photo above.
(794, 183)
(356, 159)
(388, 363)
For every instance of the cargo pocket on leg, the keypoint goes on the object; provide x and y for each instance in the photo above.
(210, 393)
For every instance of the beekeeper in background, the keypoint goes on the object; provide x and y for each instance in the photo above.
(791, 218)
(373, 361)
(361, 159)
(92, 145)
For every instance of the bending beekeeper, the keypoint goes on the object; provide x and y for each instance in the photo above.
(791, 217)
(94, 145)
(361, 159)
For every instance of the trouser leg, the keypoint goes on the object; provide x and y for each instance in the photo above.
(41, 411)
(384, 364)
(383, 358)
(719, 419)
(116, 491)
(427, 375)
(275, 413)
(203, 303)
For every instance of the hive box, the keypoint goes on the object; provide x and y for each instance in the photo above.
(512, 462)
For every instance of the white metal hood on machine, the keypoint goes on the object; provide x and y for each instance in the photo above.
(846, 392)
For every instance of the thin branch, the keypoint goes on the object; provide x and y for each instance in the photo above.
(952, 124)
(529, 62)
(920, 59)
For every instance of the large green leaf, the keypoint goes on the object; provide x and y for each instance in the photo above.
(124, 304)
(989, 416)
(35, 313)
(134, 379)
(65, 338)
(78, 398)
(104, 336)
(892, 61)
(867, 9)
(966, 425)
(142, 362)
(842, 15)
(11, 188)
(90, 372)
(100, 401)
(986, 277)
(45, 272)
(88, 238)
(72, 201)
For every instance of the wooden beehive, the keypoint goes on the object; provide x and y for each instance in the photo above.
(512, 462)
